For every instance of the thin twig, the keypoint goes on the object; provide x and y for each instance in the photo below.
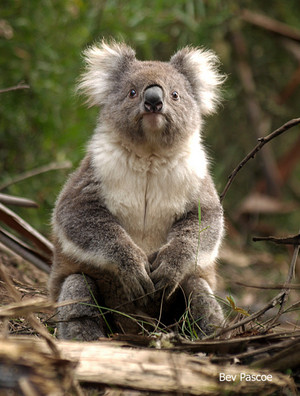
(253, 352)
(292, 307)
(286, 289)
(292, 269)
(17, 87)
(271, 304)
(37, 171)
(271, 287)
(160, 310)
(261, 142)
(292, 240)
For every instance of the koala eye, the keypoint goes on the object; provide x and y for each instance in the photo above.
(175, 95)
(132, 93)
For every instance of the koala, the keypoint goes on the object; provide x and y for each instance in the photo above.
(126, 230)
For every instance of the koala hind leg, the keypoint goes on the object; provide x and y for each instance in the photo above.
(204, 308)
(79, 321)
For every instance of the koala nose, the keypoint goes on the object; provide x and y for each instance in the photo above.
(153, 99)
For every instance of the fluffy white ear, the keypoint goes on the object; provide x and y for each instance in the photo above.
(200, 67)
(104, 62)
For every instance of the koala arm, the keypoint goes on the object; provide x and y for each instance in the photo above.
(89, 234)
(190, 244)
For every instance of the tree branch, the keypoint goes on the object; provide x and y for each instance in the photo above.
(270, 24)
(261, 142)
(17, 87)
(37, 171)
(291, 240)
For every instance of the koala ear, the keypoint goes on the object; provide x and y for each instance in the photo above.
(103, 64)
(200, 67)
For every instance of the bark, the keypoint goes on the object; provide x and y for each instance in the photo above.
(110, 364)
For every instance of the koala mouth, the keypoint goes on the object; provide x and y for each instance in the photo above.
(153, 122)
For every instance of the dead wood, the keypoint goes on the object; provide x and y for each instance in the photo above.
(14, 221)
(26, 369)
(288, 357)
(162, 371)
(227, 347)
(35, 323)
(25, 307)
(25, 251)
(270, 287)
(291, 240)
(15, 88)
(17, 201)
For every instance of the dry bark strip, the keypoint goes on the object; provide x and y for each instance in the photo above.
(11, 219)
(111, 365)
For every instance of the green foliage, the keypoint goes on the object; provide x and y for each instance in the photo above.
(235, 308)
(41, 42)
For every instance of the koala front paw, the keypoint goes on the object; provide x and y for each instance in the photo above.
(162, 278)
(137, 284)
(168, 270)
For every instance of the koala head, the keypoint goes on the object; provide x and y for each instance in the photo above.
(149, 102)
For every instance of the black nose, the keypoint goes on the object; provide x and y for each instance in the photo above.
(153, 99)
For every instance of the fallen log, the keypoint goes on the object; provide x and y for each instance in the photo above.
(110, 364)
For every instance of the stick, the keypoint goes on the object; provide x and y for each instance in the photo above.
(261, 142)
(286, 289)
(17, 201)
(23, 252)
(292, 240)
(271, 24)
(37, 171)
(17, 87)
(289, 285)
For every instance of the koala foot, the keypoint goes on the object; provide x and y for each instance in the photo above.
(204, 308)
(79, 321)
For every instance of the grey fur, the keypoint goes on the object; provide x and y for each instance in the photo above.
(79, 321)
(138, 234)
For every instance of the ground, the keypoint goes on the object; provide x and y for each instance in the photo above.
(236, 266)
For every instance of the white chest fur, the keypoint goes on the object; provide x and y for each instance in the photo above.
(147, 193)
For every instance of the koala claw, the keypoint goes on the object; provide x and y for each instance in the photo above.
(138, 287)
(161, 279)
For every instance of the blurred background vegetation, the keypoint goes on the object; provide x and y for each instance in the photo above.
(41, 43)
